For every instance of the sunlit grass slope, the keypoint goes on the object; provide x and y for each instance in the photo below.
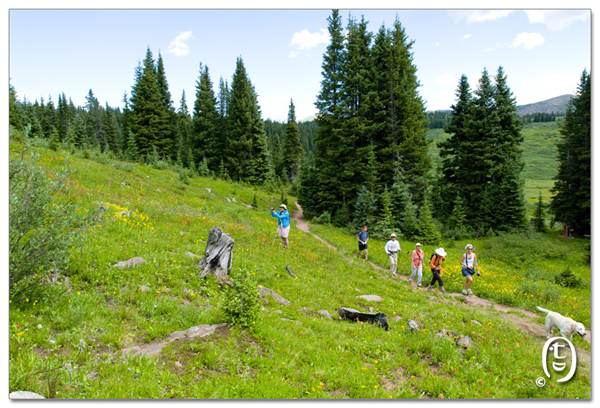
(68, 345)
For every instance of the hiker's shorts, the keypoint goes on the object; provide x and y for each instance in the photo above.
(283, 232)
(468, 272)
(362, 247)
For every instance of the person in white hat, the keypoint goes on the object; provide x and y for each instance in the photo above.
(416, 265)
(283, 223)
(468, 262)
(391, 248)
(436, 268)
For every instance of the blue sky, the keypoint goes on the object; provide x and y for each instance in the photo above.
(72, 51)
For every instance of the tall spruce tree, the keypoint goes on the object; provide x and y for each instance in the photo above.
(293, 150)
(15, 117)
(167, 143)
(407, 120)
(149, 119)
(571, 194)
(329, 149)
(455, 150)
(246, 151)
(205, 139)
(184, 133)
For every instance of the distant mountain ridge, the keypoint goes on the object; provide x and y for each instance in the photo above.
(552, 105)
(557, 104)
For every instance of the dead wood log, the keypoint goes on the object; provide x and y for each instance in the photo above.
(218, 255)
(378, 318)
(289, 271)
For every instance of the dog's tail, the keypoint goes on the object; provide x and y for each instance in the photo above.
(543, 310)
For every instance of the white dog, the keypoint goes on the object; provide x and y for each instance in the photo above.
(567, 326)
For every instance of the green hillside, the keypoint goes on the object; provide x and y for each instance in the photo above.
(539, 154)
(68, 343)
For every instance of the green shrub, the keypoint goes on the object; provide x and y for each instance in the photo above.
(567, 279)
(324, 218)
(42, 230)
(240, 301)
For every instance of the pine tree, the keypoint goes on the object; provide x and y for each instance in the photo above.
(79, 131)
(293, 149)
(184, 133)
(407, 120)
(149, 120)
(329, 140)
(15, 117)
(571, 194)
(427, 232)
(385, 218)
(223, 123)
(539, 215)
(365, 208)
(167, 142)
(131, 152)
(205, 142)
(247, 155)
(454, 151)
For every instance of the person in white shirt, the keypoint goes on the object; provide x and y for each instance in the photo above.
(392, 248)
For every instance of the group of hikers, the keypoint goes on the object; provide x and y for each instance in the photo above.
(468, 262)
(468, 259)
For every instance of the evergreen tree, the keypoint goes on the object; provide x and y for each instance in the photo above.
(385, 218)
(222, 131)
(64, 116)
(293, 149)
(149, 119)
(455, 150)
(48, 117)
(184, 133)
(131, 152)
(329, 149)
(427, 232)
(407, 120)
(112, 130)
(457, 217)
(365, 208)
(79, 138)
(247, 155)
(15, 117)
(571, 194)
(539, 215)
(205, 143)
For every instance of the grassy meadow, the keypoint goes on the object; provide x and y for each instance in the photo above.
(67, 343)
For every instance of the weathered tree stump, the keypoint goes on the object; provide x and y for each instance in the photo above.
(378, 318)
(218, 255)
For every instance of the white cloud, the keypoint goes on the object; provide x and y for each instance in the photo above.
(437, 44)
(490, 49)
(305, 39)
(178, 46)
(528, 40)
(293, 54)
(446, 80)
(546, 87)
(556, 20)
(477, 16)
(467, 36)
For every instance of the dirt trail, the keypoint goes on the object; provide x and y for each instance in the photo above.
(472, 300)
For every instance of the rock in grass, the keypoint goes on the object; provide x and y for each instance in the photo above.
(24, 395)
(325, 313)
(476, 322)
(133, 262)
(266, 291)
(289, 320)
(372, 298)
(414, 325)
(465, 342)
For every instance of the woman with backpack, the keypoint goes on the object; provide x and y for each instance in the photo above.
(468, 262)
(435, 262)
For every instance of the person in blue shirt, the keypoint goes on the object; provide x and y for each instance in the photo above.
(363, 237)
(283, 223)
